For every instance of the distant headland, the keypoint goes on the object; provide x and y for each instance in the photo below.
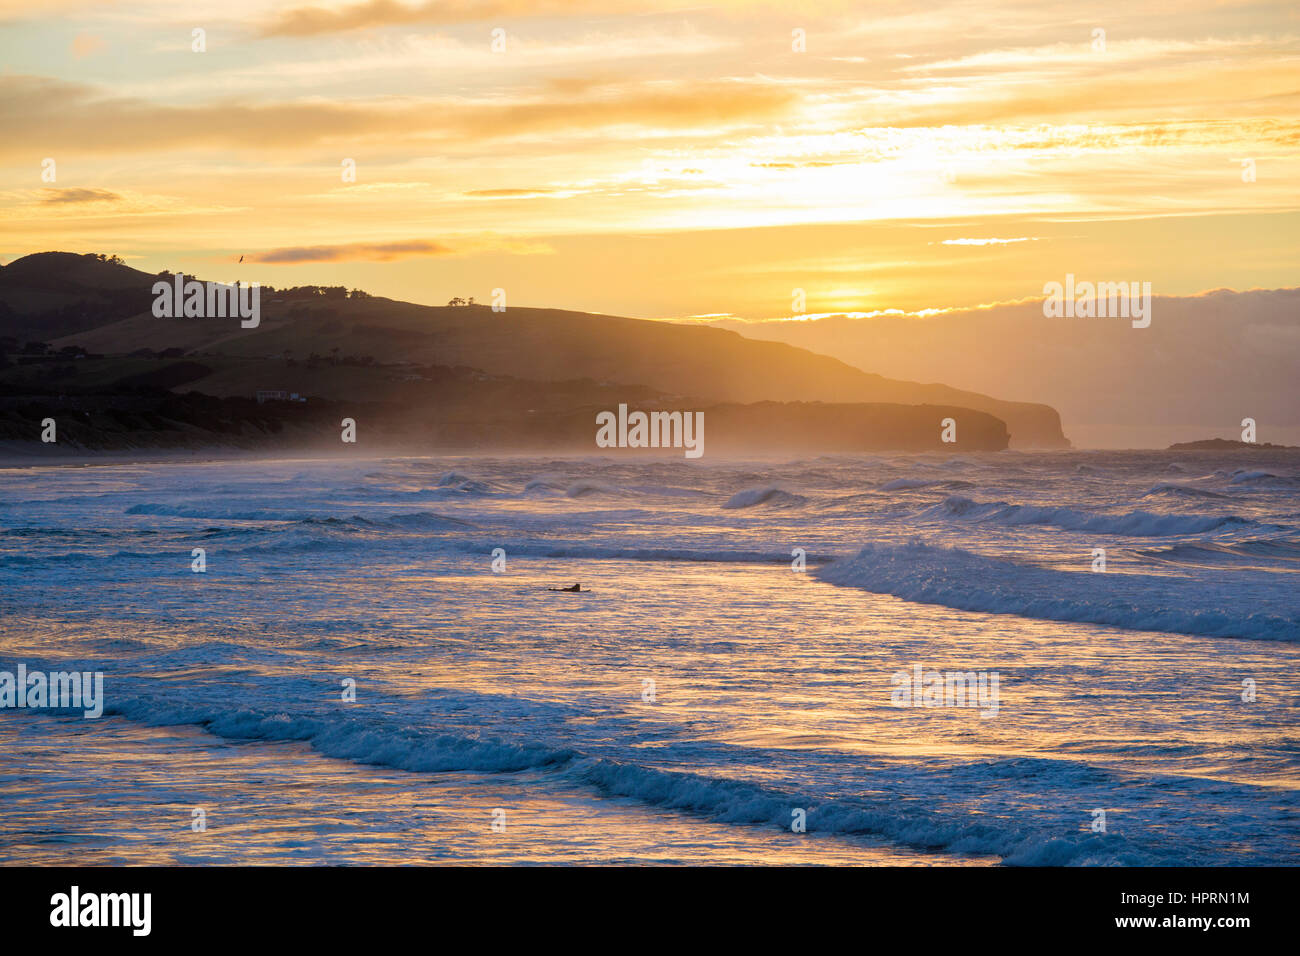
(1227, 444)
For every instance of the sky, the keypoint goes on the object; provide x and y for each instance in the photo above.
(745, 160)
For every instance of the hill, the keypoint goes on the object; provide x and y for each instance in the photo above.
(1206, 361)
(104, 307)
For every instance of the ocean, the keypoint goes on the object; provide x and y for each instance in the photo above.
(370, 666)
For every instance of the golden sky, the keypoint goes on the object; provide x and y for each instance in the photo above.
(662, 160)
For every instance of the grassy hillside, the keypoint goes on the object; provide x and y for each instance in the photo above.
(708, 364)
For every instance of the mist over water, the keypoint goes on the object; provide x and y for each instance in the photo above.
(479, 691)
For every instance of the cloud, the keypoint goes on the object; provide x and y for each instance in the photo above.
(352, 252)
(315, 20)
(46, 114)
(508, 193)
(392, 251)
(17, 10)
(988, 242)
(1143, 50)
(805, 165)
(54, 196)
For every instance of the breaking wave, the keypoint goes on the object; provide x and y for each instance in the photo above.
(1135, 523)
(771, 495)
(960, 579)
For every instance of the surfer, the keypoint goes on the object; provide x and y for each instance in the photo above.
(575, 589)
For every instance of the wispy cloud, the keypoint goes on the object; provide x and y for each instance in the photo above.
(988, 242)
(392, 251)
(54, 196)
(352, 252)
(509, 193)
(56, 115)
(314, 20)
